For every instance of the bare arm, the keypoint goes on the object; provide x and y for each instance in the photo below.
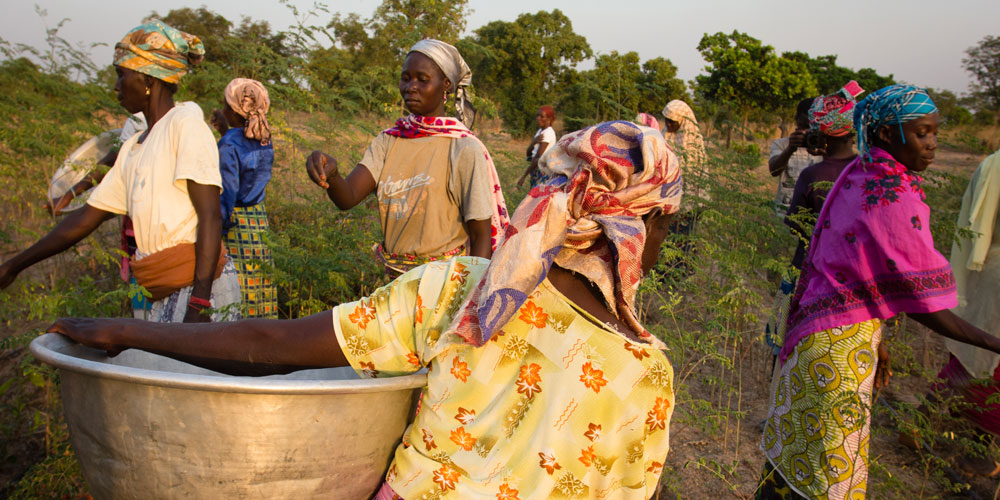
(345, 193)
(950, 325)
(480, 233)
(75, 227)
(205, 199)
(248, 347)
(778, 164)
(534, 161)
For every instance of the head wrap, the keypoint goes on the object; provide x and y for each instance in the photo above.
(647, 120)
(833, 114)
(450, 62)
(158, 50)
(892, 105)
(588, 220)
(548, 111)
(249, 99)
(687, 141)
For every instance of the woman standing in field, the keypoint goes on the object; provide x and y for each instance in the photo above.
(438, 191)
(871, 257)
(245, 159)
(166, 179)
(974, 373)
(541, 383)
(544, 138)
(682, 134)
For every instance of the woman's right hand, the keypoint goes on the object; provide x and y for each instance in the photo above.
(7, 274)
(319, 166)
(56, 206)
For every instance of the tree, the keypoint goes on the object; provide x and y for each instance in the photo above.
(744, 76)
(658, 85)
(522, 64)
(983, 62)
(951, 111)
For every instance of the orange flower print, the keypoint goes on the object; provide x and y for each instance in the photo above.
(460, 369)
(636, 351)
(533, 315)
(593, 432)
(368, 369)
(466, 417)
(656, 468)
(528, 380)
(446, 477)
(507, 493)
(587, 456)
(592, 377)
(362, 315)
(413, 359)
(657, 417)
(418, 317)
(428, 439)
(460, 273)
(548, 462)
(463, 439)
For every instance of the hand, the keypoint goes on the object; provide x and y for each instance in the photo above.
(196, 316)
(797, 139)
(218, 120)
(884, 370)
(7, 275)
(91, 332)
(319, 166)
(56, 206)
(521, 180)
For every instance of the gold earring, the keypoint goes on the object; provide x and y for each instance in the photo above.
(147, 90)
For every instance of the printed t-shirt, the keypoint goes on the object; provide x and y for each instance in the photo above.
(799, 160)
(553, 406)
(427, 188)
(148, 181)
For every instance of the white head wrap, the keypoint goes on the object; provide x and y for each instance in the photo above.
(450, 62)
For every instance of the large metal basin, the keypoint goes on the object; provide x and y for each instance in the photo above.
(148, 427)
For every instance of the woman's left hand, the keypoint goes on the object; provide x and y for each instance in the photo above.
(884, 370)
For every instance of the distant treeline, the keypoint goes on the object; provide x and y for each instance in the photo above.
(350, 64)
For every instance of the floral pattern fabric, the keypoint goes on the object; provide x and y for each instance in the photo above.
(552, 406)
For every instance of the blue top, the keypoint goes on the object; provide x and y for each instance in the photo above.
(246, 170)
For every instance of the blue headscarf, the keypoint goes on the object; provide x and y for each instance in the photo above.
(892, 105)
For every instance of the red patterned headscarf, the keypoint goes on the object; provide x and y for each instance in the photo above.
(588, 221)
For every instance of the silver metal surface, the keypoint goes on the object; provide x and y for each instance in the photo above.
(172, 430)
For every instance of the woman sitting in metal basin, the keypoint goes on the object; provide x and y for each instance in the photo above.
(541, 383)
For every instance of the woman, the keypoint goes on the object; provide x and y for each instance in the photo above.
(682, 133)
(647, 120)
(975, 258)
(542, 384)
(544, 138)
(437, 189)
(245, 159)
(166, 179)
(870, 258)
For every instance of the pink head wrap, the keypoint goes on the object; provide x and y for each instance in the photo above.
(249, 99)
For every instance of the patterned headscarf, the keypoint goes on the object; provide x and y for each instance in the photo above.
(687, 141)
(892, 105)
(833, 114)
(450, 62)
(589, 222)
(158, 50)
(249, 99)
(647, 120)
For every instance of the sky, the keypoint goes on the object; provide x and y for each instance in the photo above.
(917, 41)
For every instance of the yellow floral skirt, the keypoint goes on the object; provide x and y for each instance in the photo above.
(818, 426)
